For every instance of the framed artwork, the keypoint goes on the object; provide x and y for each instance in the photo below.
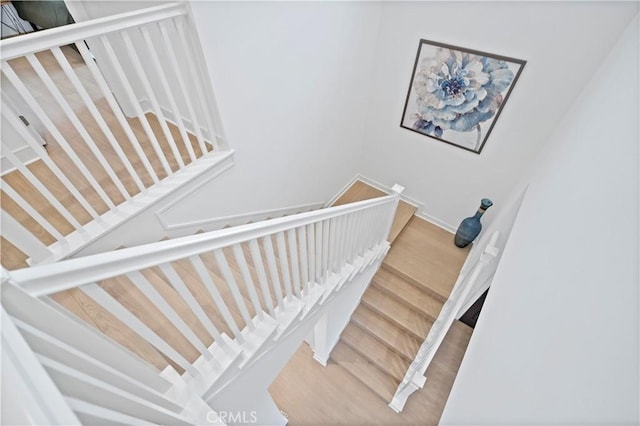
(456, 94)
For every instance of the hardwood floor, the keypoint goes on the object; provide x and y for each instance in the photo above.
(311, 394)
(402, 302)
(12, 258)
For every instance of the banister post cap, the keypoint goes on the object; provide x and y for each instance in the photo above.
(397, 189)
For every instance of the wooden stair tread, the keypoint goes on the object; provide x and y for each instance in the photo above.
(386, 332)
(358, 191)
(397, 312)
(414, 296)
(370, 348)
(364, 370)
(425, 254)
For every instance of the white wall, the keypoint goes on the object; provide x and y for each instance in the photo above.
(563, 43)
(291, 81)
(558, 339)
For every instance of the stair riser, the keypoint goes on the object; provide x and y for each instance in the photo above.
(373, 361)
(414, 282)
(404, 354)
(408, 303)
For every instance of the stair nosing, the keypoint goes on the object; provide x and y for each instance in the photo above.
(433, 293)
(374, 363)
(388, 291)
(394, 321)
(392, 348)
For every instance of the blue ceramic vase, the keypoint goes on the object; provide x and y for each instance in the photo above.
(471, 226)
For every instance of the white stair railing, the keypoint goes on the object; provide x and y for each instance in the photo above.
(209, 303)
(414, 378)
(127, 108)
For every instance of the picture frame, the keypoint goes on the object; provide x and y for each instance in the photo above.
(456, 94)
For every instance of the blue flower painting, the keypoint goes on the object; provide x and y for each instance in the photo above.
(457, 94)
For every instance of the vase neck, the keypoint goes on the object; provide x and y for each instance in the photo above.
(479, 213)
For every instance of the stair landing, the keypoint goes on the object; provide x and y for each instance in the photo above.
(360, 191)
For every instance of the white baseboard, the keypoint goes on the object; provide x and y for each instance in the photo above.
(442, 224)
(416, 203)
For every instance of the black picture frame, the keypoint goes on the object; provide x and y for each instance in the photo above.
(456, 94)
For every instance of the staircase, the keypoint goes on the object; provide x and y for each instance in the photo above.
(403, 301)
(168, 331)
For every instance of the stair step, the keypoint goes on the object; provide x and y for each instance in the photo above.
(378, 353)
(414, 296)
(364, 370)
(397, 312)
(424, 254)
(386, 332)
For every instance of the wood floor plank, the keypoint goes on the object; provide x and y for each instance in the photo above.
(337, 397)
(71, 135)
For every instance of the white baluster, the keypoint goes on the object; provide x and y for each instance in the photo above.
(197, 67)
(83, 387)
(248, 281)
(178, 72)
(44, 157)
(146, 85)
(311, 242)
(124, 81)
(205, 278)
(82, 131)
(262, 275)
(17, 198)
(20, 237)
(166, 87)
(156, 299)
(50, 319)
(318, 249)
(284, 263)
(332, 248)
(178, 284)
(115, 109)
(326, 255)
(304, 259)
(91, 107)
(295, 267)
(105, 300)
(273, 268)
(37, 109)
(49, 346)
(233, 286)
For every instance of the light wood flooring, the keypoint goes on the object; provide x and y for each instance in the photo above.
(402, 302)
(12, 257)
(311, 394)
